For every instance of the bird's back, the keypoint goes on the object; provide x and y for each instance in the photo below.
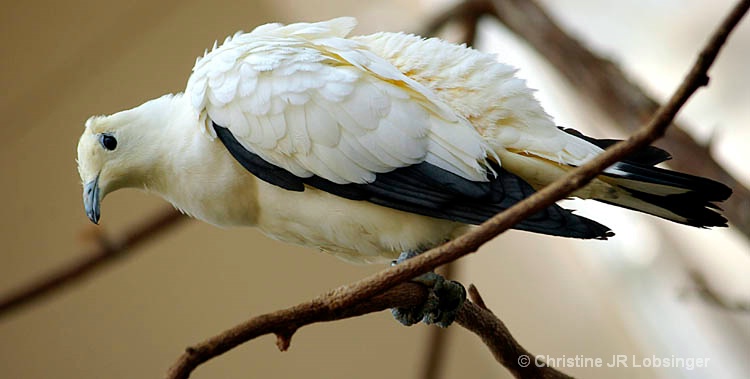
(484, 91)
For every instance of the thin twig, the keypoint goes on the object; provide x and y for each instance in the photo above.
(506, 350)
(605, 85)
(347, 297)
(475, 297)
(108, 251)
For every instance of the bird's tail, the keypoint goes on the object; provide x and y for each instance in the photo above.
(675, 196)
(634, 183)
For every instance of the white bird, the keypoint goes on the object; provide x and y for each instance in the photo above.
(364, 147)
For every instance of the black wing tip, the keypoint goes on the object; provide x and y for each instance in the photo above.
(605, 235)
(561, 222)
(593, 230)
(599, 234)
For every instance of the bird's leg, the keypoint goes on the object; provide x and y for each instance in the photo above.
(444, 299)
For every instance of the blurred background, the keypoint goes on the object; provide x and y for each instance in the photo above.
(632, 295)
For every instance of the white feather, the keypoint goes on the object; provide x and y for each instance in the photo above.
(307, 84)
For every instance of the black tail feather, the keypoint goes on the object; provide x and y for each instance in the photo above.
(694, 201)
(676, 196)
(693, 206)
(703, 188)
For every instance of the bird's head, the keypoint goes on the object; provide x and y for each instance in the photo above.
(103, 153)
(119, 151)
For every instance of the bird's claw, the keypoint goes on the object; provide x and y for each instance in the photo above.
(444, 299)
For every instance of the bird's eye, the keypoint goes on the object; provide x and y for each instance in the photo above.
(108, 141)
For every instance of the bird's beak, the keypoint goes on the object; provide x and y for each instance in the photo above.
(91, 200)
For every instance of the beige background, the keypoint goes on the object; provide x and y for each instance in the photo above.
(65, 61)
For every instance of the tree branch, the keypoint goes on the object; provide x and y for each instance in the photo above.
(107, 252)
(286, 322)
(467, 12)
(346, 298)
(604, 84)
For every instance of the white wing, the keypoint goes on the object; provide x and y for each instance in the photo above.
(305, 98)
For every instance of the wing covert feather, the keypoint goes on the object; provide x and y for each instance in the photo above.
(307, 100)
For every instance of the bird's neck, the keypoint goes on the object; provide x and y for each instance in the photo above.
(173, 142)
(193, 170)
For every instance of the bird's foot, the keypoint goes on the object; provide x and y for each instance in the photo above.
(444, 299)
